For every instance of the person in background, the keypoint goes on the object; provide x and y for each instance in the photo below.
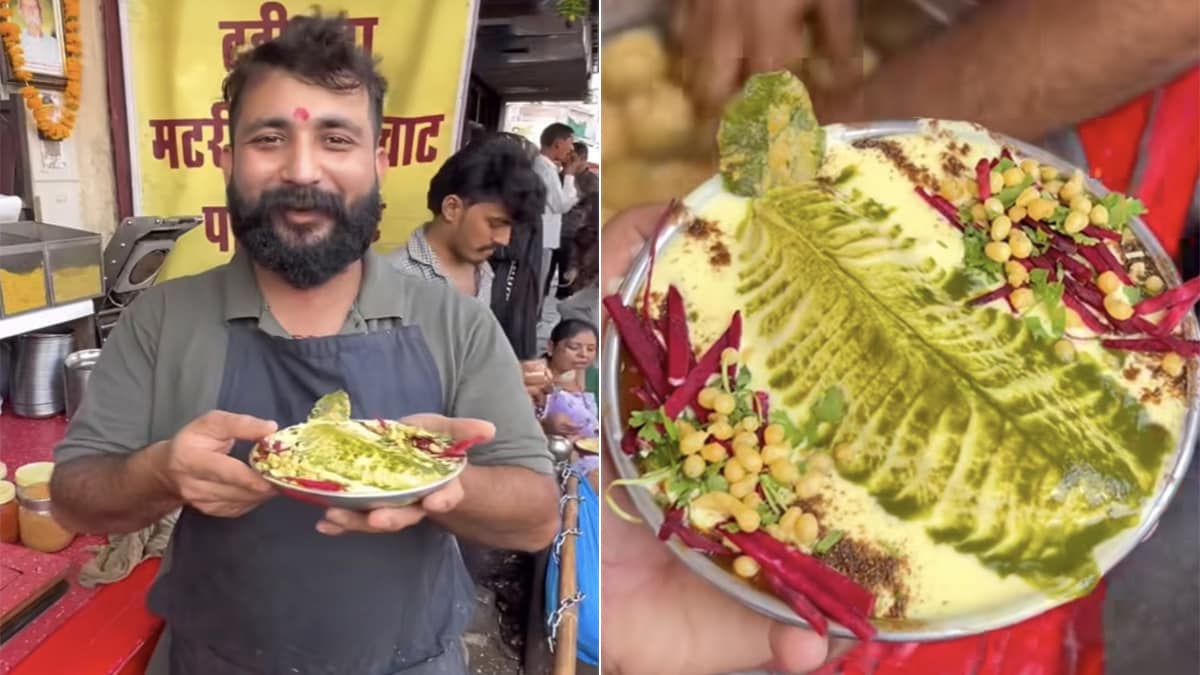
(583, 300)
(201, 368)
(569, 410)
(558, 148)
(476, 198)
(587, 185)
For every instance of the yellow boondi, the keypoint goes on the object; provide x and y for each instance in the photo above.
(23, 292)
(74, 283)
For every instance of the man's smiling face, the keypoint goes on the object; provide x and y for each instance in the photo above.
(302, 176)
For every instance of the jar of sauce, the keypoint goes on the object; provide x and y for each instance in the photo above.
(9, 530)
(39, 530)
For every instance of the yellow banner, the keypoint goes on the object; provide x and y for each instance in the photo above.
(177, 53)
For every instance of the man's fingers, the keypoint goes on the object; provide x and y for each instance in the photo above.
(220, 425)
(445, 499)
(379, 520)
(458, 428)
(778, 29)
(226, 470)
(795, 649)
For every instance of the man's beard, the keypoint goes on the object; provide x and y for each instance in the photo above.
(307, 265)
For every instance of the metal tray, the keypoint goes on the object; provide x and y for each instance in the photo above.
(1108, 554)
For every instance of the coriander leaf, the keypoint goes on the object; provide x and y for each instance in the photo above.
(1038, 329)
(731, 527)
(1121, 209)
(828, 541)
(1059, 216)
(767, 514)
(1133, 294)
(1038, 277)
(683, 490)
(716, 483)
(793, 433)
(974, 258)
(1009, 195)
(669, 425)
(1003, 165)
(831, 406)
(1058, 321)
(639, 418)
(743, 378)
(651, 433)
(776, 494)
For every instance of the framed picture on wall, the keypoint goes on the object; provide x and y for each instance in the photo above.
(49, 160)
(41, 27)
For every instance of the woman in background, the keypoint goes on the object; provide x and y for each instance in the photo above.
(569, 409)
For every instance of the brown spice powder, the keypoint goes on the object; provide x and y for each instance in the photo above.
(873, 568)
(702, 229)
(718, 255)
(895, 154)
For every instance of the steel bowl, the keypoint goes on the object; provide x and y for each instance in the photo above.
(1108, 554)
(354, 501)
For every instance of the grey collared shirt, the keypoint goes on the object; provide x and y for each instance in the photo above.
(163, 364)
(417, 258)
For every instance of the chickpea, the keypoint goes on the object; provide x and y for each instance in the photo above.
(1030, 167)
(807, 529)
(978, 213)
(1016, 273)
(1099, 215)
(784, 471)
(789, 518)
(745, 567)
(748, 520)
(1020, 247)
(693, 466)
(1108, 282)
(1013, 177)
(1027, 196)
(691, 443)
(745, 438)
(724, 403)
(809, 485)
(773, 452)
(1075, 222)
(1001, 226)
(996, 181)
(950, 189)
(749, 423)
(1154, 284)
(721, 430)
(1137, 270)
(743, 487)
(1117, 307)
(752, 500)
(1048, 173)
(1022, 299)
(750, 459)
(1081, 204)
(1172, 364)
(707, 396)
(1017, 214)
(732, 471)
(713, 453)
(998, 251)
(1064, 350)
(821, 463)
(1070, 190)
(1040, 209)
(993, 207)
(1053, 188)
(773, 434)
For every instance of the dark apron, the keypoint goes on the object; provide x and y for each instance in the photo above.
(266, 593)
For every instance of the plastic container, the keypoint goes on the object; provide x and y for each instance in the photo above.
(32, 473)
(9, 513)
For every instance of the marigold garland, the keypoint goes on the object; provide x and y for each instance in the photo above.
(52, 122)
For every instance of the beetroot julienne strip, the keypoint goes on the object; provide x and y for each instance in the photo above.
(679, 347)
(1097, 232)
(826, 598)
(629, 443)
(1085, 314)
(763, 401)
(1001, 292)
(642, 346)
(1187, 293)
(460, 448)
(983, 178)
(658, 228)
(799, 604)
(858, 598)
(673, 525)
(1172, 319)
(708, 365)
(1111, 262)
(312, 484)
(1078, 269)
(1155, 344)
(941, 206)
(1059, 241)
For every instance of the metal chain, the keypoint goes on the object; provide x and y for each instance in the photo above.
(562, 501)
(558, 540)
(556, 618)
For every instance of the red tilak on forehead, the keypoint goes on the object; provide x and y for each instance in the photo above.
(301, 114)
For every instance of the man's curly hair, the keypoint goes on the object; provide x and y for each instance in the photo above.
(316, 50)
(492, 169)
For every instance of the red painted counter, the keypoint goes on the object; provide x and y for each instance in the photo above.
(101, 631)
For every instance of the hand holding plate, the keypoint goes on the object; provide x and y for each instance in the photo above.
(197, 467)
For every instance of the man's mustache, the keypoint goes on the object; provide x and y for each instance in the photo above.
(300, 198)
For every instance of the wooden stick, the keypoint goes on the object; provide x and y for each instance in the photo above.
(568, 627)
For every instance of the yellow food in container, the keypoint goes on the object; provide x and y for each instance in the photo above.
(24, 291)
(74, 283)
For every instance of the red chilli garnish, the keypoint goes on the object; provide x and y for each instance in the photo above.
(708, 366)
(313, 484)
(673, 525)
(460, 448)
